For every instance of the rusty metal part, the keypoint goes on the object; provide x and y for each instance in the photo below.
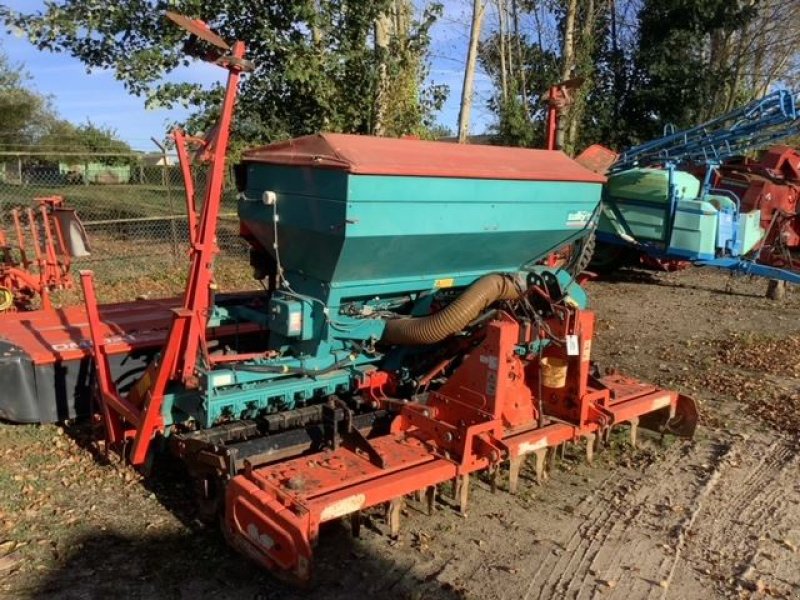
(197, 28)
(40, 262)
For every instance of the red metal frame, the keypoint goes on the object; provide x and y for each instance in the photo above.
(22, 279)
(558, 99)
(138, 415)
(181, 142)
(204, 249)
(770, 184)
(486, 413)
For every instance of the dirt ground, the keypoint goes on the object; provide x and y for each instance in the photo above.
(718, 517)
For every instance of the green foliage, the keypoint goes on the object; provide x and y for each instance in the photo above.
(315, 65)
(663, 70)
(69, 143)
(520, 117)
(673, 80)
(28, 124)
(437, 131)
(24, 114)
(515, 128)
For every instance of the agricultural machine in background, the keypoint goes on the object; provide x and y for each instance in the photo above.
(407, 335)
(689, 196)
(771, 185)
(40, 264)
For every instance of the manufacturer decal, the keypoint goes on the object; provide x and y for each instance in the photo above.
(87, 344)
(578, 218)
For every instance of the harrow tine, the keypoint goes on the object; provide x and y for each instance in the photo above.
(463, 494)
(551, 457)
(590, 441)
(540, 458)
(599, 440)
(393, 516)
(606, 438)
(494, 477)
(355, 523)
(430, 499)
(634, 421)
(514, 466)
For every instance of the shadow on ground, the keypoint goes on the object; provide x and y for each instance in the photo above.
(200, 565)
(655, 278)
(196, 562)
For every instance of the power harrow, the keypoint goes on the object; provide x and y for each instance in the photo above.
(39, 265)
(407, 336)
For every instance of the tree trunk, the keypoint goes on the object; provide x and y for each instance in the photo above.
(503, 42)
(393, 25)
(587, 44)
(383, 27)
(478, 10)
(523, 84)
(568, 64)
(317, 28)
(568, 50)
(616, 63)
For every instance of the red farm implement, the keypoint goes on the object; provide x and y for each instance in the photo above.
(47, 237)
(388, 362)
(770, 184)
(495, 409)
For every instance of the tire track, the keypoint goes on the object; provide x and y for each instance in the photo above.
(745, 505)
(612, 510)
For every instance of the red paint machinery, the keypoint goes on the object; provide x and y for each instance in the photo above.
(39, 264)
(771, 184)
(400, 352)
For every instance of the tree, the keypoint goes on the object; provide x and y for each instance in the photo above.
(316, 66)
(518, 103)
(24, 113)
(645, 63)
(682, 62)
(465, 110)
(70, 143)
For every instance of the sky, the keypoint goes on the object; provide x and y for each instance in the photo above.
(79, 96)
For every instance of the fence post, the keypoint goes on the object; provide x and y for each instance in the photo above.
(168, 185)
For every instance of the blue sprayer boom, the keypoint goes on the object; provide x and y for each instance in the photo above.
(759, 124)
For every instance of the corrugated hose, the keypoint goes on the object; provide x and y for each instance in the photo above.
(455, 316)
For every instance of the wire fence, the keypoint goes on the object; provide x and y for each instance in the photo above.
(133, 208)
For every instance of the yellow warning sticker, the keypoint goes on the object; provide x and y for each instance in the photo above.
(444, 283)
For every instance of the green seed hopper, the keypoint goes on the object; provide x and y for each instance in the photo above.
(366, 214)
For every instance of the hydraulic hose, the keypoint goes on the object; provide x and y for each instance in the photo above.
(455, 316)
(286, 370)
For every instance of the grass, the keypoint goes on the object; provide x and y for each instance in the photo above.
(108, 202)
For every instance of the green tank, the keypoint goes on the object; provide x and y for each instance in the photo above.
(357, 211)
(638, 202)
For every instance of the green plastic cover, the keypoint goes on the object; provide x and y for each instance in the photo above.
(651, 185)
